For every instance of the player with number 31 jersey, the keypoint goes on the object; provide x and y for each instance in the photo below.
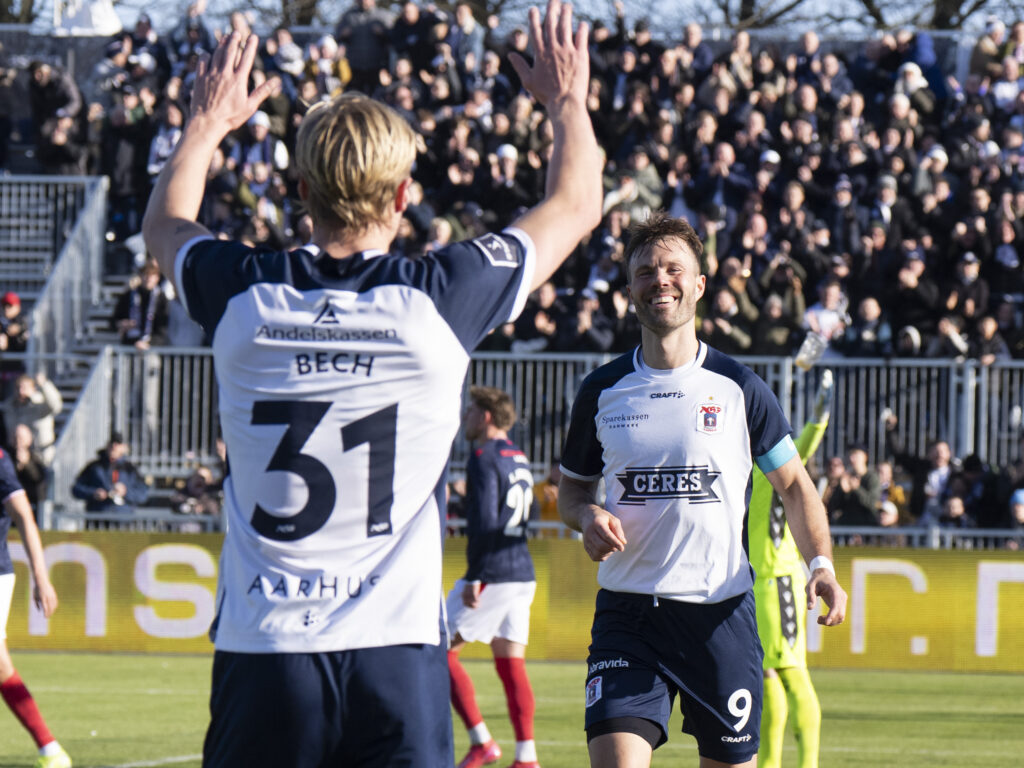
(339, 390)
(340, 370)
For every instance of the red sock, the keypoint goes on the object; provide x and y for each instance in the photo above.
(518, 694)
(24, 707)
(463, 695)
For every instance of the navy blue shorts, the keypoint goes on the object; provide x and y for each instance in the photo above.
(367, 707)
(642, 655)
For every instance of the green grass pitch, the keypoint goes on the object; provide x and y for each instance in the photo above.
(137, 711)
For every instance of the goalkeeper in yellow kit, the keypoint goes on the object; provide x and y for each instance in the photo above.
(781, 618)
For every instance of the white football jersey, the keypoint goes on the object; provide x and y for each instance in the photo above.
(340, 387)
(676, 449)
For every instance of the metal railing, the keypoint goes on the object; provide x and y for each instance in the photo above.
(164, 401)
(37, 217)
(165, 405)
(141, 520)
(58, 319)
(85, 432)
(933, 537)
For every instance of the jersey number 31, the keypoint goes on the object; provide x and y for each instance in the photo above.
(377, 429)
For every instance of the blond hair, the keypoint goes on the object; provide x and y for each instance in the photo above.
(353, 152)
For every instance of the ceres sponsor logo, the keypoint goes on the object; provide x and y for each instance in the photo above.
(694, 484)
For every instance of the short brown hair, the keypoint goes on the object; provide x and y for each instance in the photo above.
(497, 403)
(655, 230)
(353, 152)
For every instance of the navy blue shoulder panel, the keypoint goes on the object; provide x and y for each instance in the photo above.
(766, 422)
(8, 476)
(582, 453)
(472, 292)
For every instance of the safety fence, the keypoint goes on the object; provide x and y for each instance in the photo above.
(38, 216)
(72, 289)
(164, 402)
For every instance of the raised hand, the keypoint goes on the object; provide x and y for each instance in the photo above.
(561, 66)
(221, 94)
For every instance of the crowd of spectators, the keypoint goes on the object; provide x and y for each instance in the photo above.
(863, 194)
(933, 490)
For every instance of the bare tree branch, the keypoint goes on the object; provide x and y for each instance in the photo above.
(768, 18)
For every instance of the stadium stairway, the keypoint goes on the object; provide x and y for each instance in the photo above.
(99, 332)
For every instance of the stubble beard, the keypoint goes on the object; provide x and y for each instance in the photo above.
(663, 323)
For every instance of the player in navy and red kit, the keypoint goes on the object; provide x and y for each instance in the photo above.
(491, 603)
(17, 509)
(340, 370)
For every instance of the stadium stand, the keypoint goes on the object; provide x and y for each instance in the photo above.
(886, 166)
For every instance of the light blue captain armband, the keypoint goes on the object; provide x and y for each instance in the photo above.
(783, 451)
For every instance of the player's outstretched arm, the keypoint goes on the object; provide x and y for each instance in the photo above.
(559, 79)
(809, 523)
(20, 511)
(578, 507)
(221, 102)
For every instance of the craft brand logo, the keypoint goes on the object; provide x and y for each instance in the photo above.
(736, 739)
(659, 395)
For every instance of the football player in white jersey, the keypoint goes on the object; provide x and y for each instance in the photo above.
(674, 428)
(340, 371)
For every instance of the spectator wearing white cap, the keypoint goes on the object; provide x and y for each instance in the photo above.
(932, 166)
(257, 145)
(506, 193)
(913, 84)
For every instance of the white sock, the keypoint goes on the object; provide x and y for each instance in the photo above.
(53, 748)
(526, 751)
(479, 734)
